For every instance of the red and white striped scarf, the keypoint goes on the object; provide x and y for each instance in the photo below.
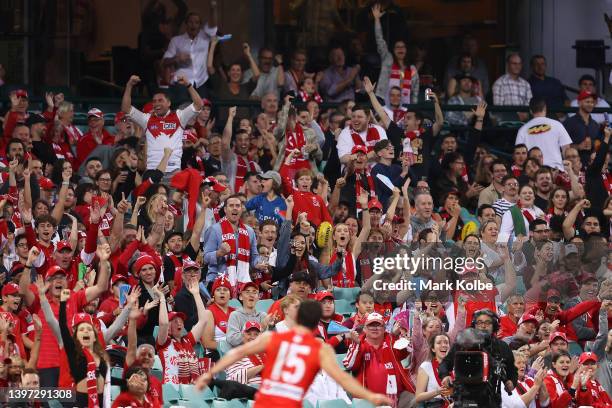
(403, 80)
(346, 277)
(359, 176)
(372, 137)
(242, 167)
(92, 380)
(307, 98)
(238, 258)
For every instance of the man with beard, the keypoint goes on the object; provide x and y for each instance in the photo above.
(543, 185)
(123, 125)
(163, 127)
(495, 189)
(231, 247)
(360, 133)
(509, 196)
(358, 179)
(527, 328)
(236, 164)
(271, 77)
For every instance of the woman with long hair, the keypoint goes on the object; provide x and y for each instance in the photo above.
(86, 357)
(483, 174)
(428, 384)
(395, 69)
(558, 202)
(564, 388)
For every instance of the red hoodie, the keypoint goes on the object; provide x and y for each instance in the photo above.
(565, 317)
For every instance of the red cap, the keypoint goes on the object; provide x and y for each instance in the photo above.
(46, 184)
(374, 203)
(359, 148)
(174, 315)
(147, 108)
(142, 261)
(54, 270)
(79, 318)
(552, 292)
(587, 277)
(189, 135)
(586, 94)
(245, 285)
(251, 325)
(63, 245)
(21, 93)
(189, 264)
(95, 112)
(528, 318)
(587, 356)
(556, 334)
(10, 289)
(214, 184)
(118, 278)
(206, 102)
(221, 282)
(119, 116)
(324, 295)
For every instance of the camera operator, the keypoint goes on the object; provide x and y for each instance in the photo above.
(487, 323)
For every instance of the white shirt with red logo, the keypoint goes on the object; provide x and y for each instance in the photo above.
(162, 132)
(179, 360)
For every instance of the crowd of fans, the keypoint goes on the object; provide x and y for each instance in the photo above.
(162, 242)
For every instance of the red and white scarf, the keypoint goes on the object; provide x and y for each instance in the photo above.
(92, 380)
(560, 387)
(295, 140)
(346, 277)
(238, 258)
(359, 176)
(371, 138)
(607, 181)
(403, 80)
(516, 170)
(242, 167)
(435, 366)
(307, 98)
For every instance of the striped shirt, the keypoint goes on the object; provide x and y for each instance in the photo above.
(238, 372)
(501, 206)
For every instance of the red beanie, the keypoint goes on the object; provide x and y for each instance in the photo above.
(143, 260)
(188, 180)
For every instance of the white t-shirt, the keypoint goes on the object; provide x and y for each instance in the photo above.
(547, 134)
(164, 132)
(345, 141)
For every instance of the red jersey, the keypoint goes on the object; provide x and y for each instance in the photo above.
(507, 327)
(292, 362)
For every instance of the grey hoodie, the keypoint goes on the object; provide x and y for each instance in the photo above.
(235, 323)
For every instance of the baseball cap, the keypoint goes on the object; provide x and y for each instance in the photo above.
(527, 317)
(373, 318)
(34, 119)
(587, 356)
(586, 94)
(374, 203)
(174, 315)
(246, 285)
(557, 334)
(189, 135)
(324, 295)
(250, 326)
(46, 184)
(119, 116)
(221, 282)
(10, 289)
(553, 293)
(299, 276)
(571, 249)
(190, 264)
(21, 93)
(118, 278)
(359, 148)
(54, 270)
(95, 112)
(206, 102)
(464, 75)
(63, 245)
(79, 318)
(270, 174)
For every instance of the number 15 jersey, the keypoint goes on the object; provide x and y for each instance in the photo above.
(292, 362)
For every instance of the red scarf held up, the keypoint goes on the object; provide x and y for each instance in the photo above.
(359, 184)
(401, 79)
(372, 137)
(92, 381)
(345, 279)
(314, 97)
(244, 248)
(607, 182)
(242, 167)
(435, 364)
(295, 140)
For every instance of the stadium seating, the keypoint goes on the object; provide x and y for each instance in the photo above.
(223, 347)
(348, 294)
(339, 358)
(235, 303)
(263, 305)
(332, 404)
(360, 403)
(343, 307)
(115, 390)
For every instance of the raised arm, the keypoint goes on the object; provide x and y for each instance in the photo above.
(439, 116)
(228, 130)
(58, 210)
(164, 324)
(35, 350)
(366, 224)
(52, 322)
(252, 64)
(381, 44)
(26, 277)
(204, 316)
(198, 225)
(568, 223)
(210, 61)
(126, 101)
(193, 94)
(101, 285)
(599, 346)
(378, 108)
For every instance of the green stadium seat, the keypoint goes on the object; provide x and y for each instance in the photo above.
(222, 403)
(263, 305)
(361, 403)
(332, 404)
(235, 303)
(343, 307)
(115, 390)
(223, 347)
(190, 403)
(339, 358)
(348, 294)
(117, 372)
(188, 392)
(306, 404)
(575, 349)
(171, 393)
